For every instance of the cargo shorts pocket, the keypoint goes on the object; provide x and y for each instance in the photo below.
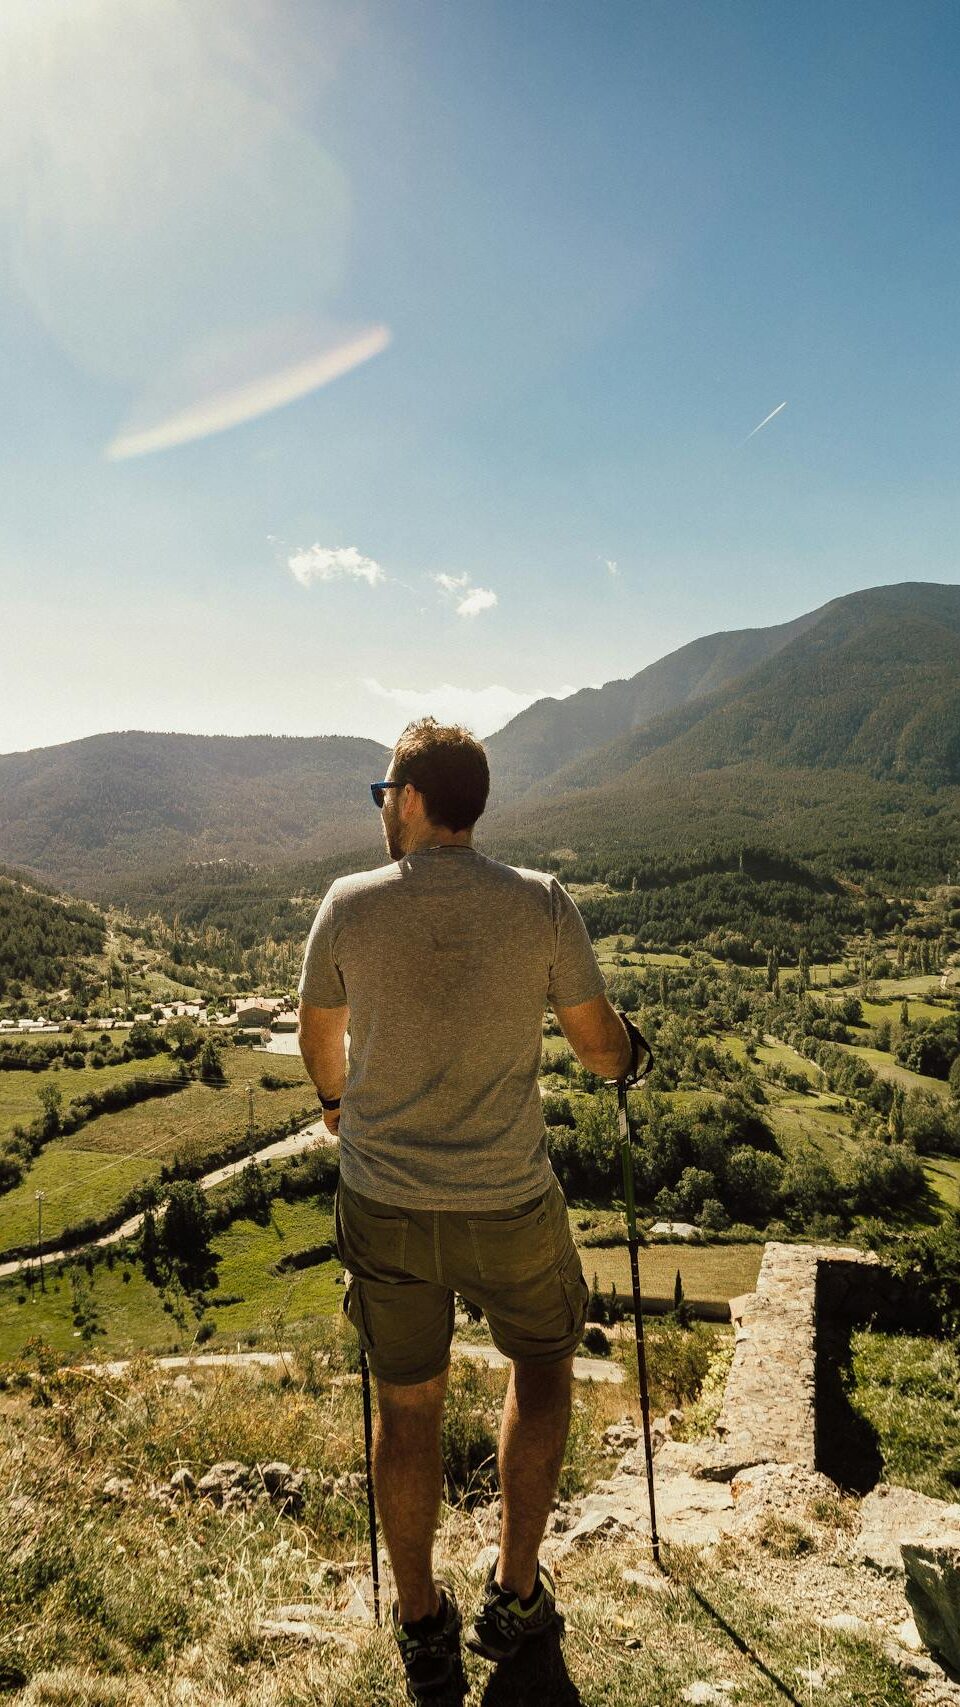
(371, 1238)
(576, 1292)
(511, 1249)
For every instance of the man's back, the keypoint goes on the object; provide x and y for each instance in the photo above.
(447, 960)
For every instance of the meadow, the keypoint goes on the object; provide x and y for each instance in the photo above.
(88, 1173)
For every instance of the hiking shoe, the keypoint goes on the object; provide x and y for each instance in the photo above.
(430, 1648)
(503, 1625)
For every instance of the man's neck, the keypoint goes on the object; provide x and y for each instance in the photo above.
(434, 836)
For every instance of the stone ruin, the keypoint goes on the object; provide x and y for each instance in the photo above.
(785, 1439)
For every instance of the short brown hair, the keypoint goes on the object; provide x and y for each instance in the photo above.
(449, 768)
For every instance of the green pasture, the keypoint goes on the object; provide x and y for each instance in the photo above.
(132, 1314)
(75, 1184)
(943, 1176)
(775, 1053)
(874, 1012)
(89, 1172)
(887, 1068)
(247, 1253)
(19, 1089)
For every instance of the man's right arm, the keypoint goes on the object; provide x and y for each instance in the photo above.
(597, 1036)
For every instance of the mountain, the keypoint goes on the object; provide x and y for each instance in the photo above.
(555, 732)
(835, 736)
(845, 743)
(89, 810)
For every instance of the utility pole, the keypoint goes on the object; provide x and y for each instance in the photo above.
(250, 1112)
(39, 1197)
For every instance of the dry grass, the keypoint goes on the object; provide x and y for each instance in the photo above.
(104, 1603)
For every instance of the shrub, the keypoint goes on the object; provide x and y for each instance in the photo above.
(595, 1342)
(469, 1433)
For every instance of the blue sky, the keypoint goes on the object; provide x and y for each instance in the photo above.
(528, 274)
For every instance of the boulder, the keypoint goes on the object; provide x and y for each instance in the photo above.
(890, 1515)
(275, 1475)
(933, 1590)
(785, 1490)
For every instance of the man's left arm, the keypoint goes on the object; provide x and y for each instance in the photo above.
(322, 1032)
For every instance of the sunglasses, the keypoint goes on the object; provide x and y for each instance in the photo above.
(378, 789)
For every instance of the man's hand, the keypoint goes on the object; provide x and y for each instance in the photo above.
(331, 1120)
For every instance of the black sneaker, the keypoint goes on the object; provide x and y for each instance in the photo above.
(503, 1625)
(430, 1648)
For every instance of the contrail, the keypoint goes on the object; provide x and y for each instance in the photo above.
(766, 418)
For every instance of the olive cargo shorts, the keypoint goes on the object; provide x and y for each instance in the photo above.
(519, 1266)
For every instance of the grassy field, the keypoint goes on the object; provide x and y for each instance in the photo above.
(908, 1389)
(943, 1174)
(715, 1273)
(89, 1172)
(19, 1098)
(131, 1312)
(887, 1068)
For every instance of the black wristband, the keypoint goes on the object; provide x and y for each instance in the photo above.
(328, 1102)
(638, 1046)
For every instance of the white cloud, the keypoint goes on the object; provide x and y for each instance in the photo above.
(612, 566)
(470, 600)
(334, 563)
(478, 599)
(482, 709)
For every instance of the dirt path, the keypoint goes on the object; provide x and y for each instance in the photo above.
(584, 1368)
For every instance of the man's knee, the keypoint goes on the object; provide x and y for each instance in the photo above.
(543, 1383)
(411, 1407)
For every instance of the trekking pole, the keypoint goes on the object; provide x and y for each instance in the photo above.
(371, 1504)
(633, 1245)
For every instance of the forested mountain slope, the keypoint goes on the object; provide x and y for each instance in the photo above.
(873, 686)
(130, 802)
(556, 732)
(844, 746)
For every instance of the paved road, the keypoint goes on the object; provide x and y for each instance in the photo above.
(305, 1139)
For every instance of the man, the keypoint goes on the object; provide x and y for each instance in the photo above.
(441, 963)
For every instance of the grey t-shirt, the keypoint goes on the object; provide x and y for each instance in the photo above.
(447, 960)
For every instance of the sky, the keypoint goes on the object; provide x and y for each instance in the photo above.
(364, 360)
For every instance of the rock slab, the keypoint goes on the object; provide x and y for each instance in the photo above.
(933, 1590)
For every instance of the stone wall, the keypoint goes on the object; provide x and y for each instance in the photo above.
(785, 1401)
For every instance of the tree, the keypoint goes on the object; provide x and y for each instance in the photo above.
(803, 970)
(51, 1110)
(185, 1230)
(886, 1178)
(149, 1246)
(681, 1309)
(210, 1064)
(754, 1185)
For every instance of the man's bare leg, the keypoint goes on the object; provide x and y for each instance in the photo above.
(533, 1434)
(408, 1478)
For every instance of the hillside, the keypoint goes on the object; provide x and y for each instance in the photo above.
(83, 812)
(554, 733)
(834, 738)
(42, 938)
(844, 746)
